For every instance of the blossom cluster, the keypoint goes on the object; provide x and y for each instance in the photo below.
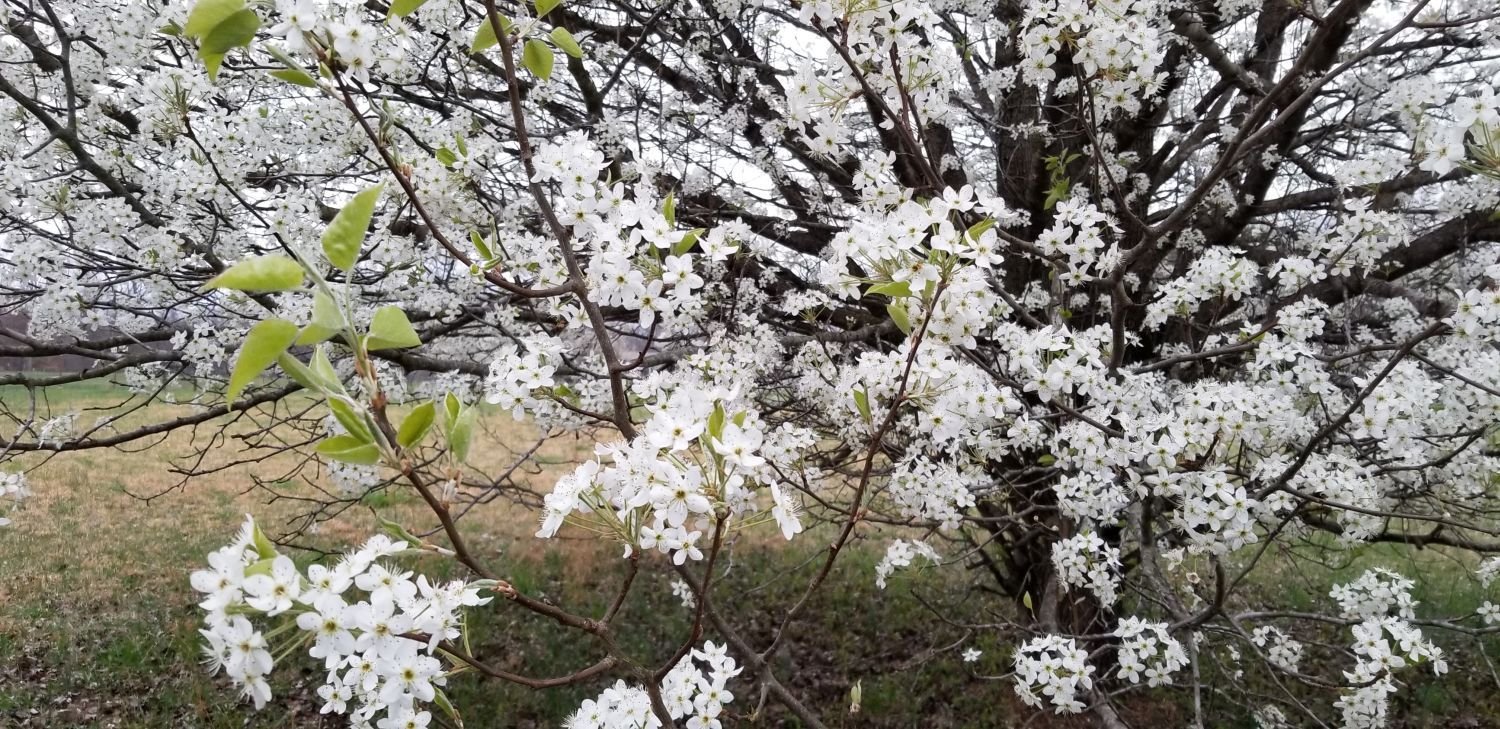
(1117, 42)
(900, 554)
(1385, 641)
(1446, 132)
(375, 629)
(1282, 650)
(339, 27)
(1052, 669)
(695, 692)
(1147, 649)
(692, 468)
(1086, 561)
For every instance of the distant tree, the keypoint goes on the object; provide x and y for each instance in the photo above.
(1115, 302)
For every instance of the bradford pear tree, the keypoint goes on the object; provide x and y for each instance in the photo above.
(1107, 306)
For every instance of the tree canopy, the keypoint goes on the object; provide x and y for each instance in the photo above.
(1102, 303)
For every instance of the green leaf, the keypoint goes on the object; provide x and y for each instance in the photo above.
(264, 548)
(899, 315)
(403, 8)
(862, 403)
(980, 228)
(265, 342)
(324, 370)
(479, 245)
(417, 424)
(545, 6)
(343, 237)
(349, 449)
(485, 37)
(1056, 194)
(299, 372)
(211, 63)
(235, 31)
(894, 289)
(296, 76)
(353, 422)
(452, 408)
(458, 141)
(462, 432)
(280, 55)
(260, 567)
(716, 421)
(390, 329)
(259, 275)
(669, 209)
(326, 321)
(398, 532)
(207, 14)
(441, 699)
(537, 58)
(445, 156)
(565, 40)
(1047, 459)
(687, 242)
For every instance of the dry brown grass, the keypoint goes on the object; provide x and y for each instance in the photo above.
(105, 522)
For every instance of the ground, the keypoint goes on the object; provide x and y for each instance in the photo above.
(98, 624)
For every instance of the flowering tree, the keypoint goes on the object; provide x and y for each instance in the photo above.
(1089, 296)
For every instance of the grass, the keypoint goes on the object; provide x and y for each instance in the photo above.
(98, 626)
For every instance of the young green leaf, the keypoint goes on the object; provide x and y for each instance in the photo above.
(537, 58)
(485, 37)
(862, 403)
(894, 289)
(301, 373)
(326, 321)
(545, 6)
(403, 8)
(398, 532)
(263, 546)
(669, 209)
(265, 342)
(207, 14)
(565, 41)
(211, 63)
(461, 434)
(716, 421)
(235, 31)
(295, 76)
(349, 449)
(416, 424)
(441, 699)
(452, 407)
(390, 329)
(899, 315)
(324, 370)
(260, 274)
(479, 245)
(354, 423)
(343, 237)
(687, 242)
(445, 156)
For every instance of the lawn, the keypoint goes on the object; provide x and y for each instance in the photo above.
(98, 624)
